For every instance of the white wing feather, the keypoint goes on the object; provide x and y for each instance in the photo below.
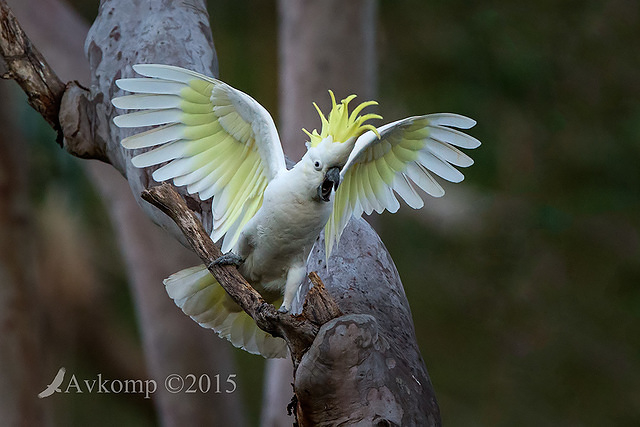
(407, 153)
(217, 140)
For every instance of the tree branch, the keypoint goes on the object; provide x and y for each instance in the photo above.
(343, 364)
(299, 331)
(28, 67)
(319, 307)
(66, 107)
(148, 252)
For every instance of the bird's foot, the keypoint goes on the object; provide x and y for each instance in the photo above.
(228, 259)
(283, 309)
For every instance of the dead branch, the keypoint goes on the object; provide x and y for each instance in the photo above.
(319, 307)
(372, 362)
(66, 107)
(28, 67)
(85, 118)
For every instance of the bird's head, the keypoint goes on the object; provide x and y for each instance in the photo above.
(328, 151)
(320, 162)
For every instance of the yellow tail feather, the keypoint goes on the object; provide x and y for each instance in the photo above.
(201, 297)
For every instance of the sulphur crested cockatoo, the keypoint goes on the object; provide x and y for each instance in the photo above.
(219, 142)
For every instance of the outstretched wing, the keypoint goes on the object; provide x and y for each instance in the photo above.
(219, 141)
(407, 151)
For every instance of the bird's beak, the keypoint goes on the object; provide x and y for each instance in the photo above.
(331, 180)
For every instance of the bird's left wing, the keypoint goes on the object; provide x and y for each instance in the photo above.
(217, 140)
(405, 151)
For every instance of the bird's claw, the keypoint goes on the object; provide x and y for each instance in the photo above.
(228, 259)
(283, 309)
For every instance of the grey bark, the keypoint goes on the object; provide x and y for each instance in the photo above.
(123, 34)
(126, 33)
(322, 45)
(172, 342)
(367, 358)
(363, 368)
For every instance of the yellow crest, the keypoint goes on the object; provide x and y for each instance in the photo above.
(340, 125)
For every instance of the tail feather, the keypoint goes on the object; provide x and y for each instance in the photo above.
(202, 298)
(210, 317)
(250, 338)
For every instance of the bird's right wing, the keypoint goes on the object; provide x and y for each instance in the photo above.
(217, 140)
(388, 160)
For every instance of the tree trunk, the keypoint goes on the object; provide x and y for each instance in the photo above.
(313, 60)
(364, 367)
(173, 34)
(150, 255)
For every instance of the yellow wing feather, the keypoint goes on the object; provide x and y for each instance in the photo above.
(202, 298)
(218, 141)
(390, 159)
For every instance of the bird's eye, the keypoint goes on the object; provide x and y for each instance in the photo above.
(317, 165)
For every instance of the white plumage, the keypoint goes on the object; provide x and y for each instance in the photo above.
(222, 144)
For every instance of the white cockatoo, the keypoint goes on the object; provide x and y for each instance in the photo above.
(221, 143)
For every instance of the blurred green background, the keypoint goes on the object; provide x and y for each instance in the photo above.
(524, 280)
